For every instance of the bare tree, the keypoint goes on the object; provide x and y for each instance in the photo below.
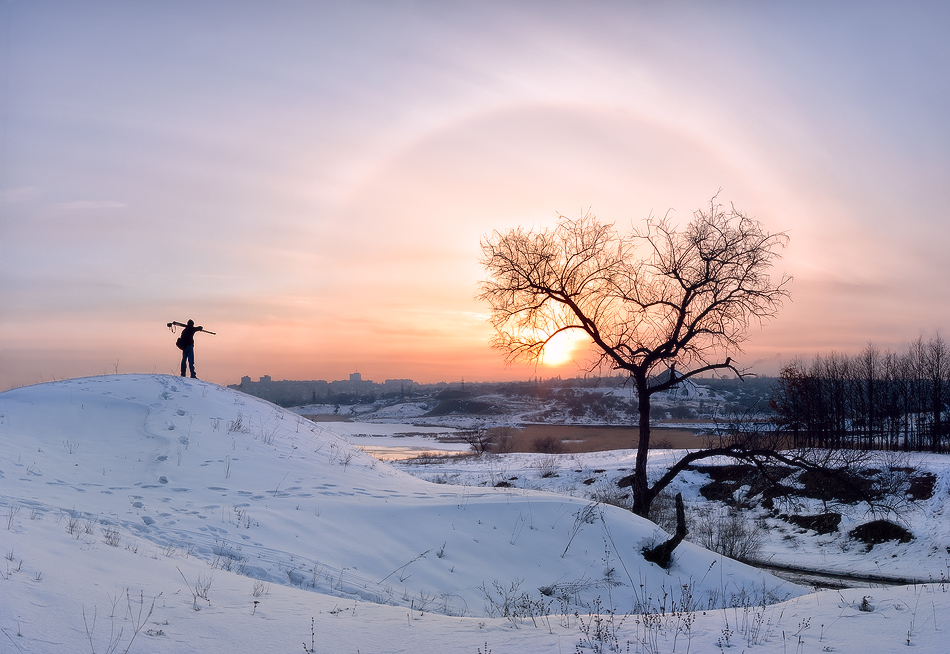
(938, 372)
(871, 400)
(660, 303)
(480, 440)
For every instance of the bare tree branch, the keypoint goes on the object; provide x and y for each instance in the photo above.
(663, 304)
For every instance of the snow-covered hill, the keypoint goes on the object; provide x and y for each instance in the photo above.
(160, 514)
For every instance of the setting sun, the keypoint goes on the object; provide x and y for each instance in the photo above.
(562, 348)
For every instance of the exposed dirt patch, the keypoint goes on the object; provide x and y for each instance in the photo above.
(726, 480)
(922, 486)
(837, 486)
(880, 531)
(626, 481)
(822, 523)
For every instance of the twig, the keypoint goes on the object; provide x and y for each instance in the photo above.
(12, 641)
(281, 481)
(403, 567)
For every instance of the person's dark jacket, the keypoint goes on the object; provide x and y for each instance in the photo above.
(188, 335)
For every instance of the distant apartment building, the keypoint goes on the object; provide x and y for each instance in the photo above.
(402, 387)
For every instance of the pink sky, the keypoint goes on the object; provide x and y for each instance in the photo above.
(312, 181)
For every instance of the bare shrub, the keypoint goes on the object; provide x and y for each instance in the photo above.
(512, 603)
(12, 512)
(74, 526)
(729, 532)
(503, 440)
(548, 445)
(600, 631)
(136, 618)
(199, 590)
(605, 492)
(238, 425)
(110, 536)
(480, 440)
(547, 466)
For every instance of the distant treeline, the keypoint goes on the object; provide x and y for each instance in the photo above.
(872, 400)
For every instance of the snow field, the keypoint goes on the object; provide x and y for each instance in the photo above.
(157, 514)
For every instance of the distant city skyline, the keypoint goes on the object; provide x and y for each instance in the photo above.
(357, 378)
(298, 392)
(312, 180)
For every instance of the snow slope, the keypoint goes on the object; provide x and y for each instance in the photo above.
(158, 514)
(923, 559)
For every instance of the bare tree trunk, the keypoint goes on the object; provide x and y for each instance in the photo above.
(662, 554)
(642, 498)
(937, 364)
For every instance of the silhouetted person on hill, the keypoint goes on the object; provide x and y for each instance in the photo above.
(187, 344)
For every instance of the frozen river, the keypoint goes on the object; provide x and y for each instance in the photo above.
(392, 442)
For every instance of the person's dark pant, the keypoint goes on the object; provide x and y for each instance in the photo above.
(188, 356)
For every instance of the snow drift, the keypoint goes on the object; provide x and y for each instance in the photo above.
(192, 467)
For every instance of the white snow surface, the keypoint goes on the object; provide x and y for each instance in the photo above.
(151, 513)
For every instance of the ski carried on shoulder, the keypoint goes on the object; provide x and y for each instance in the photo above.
(171, 325)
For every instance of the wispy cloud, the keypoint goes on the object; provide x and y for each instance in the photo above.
(89, 204)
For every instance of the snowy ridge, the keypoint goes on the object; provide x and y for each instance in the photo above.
(231, 522)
